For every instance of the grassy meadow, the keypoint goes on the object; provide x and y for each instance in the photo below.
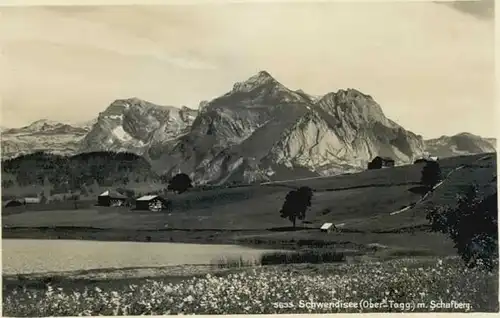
(362, 202)
(403, 285)
(378, 251)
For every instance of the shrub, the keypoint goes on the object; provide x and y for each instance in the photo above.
(472, 225)
(234, 262)
(315, 256)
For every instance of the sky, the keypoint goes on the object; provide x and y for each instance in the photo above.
(430, 66)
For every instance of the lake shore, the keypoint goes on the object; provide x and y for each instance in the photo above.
(260, 239)
(31, 256)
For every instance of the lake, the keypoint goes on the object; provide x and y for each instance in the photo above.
(24, 256)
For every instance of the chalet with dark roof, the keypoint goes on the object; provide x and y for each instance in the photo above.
(380, 162)
(111, 198)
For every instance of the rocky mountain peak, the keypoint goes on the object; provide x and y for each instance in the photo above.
(260, 90)
(350, 95)
(135, 125)
(466, 134)
(260, 79)
(202, 104)
(42, 124)
(353, 106)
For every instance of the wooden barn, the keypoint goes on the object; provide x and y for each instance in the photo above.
(111, 198)
(381, 162)
(151, 202)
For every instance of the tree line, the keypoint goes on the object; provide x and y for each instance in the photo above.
(72, 173)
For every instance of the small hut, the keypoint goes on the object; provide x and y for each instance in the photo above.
(151, 202)
(111, 198)
(327, 227)
(381, 162)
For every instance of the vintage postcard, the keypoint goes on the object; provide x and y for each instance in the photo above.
(249, 158)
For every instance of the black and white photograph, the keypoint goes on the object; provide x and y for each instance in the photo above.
(248, 157)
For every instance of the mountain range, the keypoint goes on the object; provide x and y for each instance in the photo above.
(43, 135)
(259, 130)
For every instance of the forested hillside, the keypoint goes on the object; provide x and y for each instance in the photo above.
(66, 174)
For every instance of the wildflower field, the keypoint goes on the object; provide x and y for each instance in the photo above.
(300, 288)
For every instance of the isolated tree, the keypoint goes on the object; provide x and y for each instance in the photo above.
(472, 225)
(296, 204)
(180, 183)
(431, 174)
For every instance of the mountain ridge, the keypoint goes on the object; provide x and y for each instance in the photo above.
(258, 130)
(43, 135)
(133, 124)
(222, 139)
(460, 144)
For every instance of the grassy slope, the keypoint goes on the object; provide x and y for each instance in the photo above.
(245, 214)
(478, 172)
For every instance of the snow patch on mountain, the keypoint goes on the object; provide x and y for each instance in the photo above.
(121, 134)
(136, 125)
(118, 117)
